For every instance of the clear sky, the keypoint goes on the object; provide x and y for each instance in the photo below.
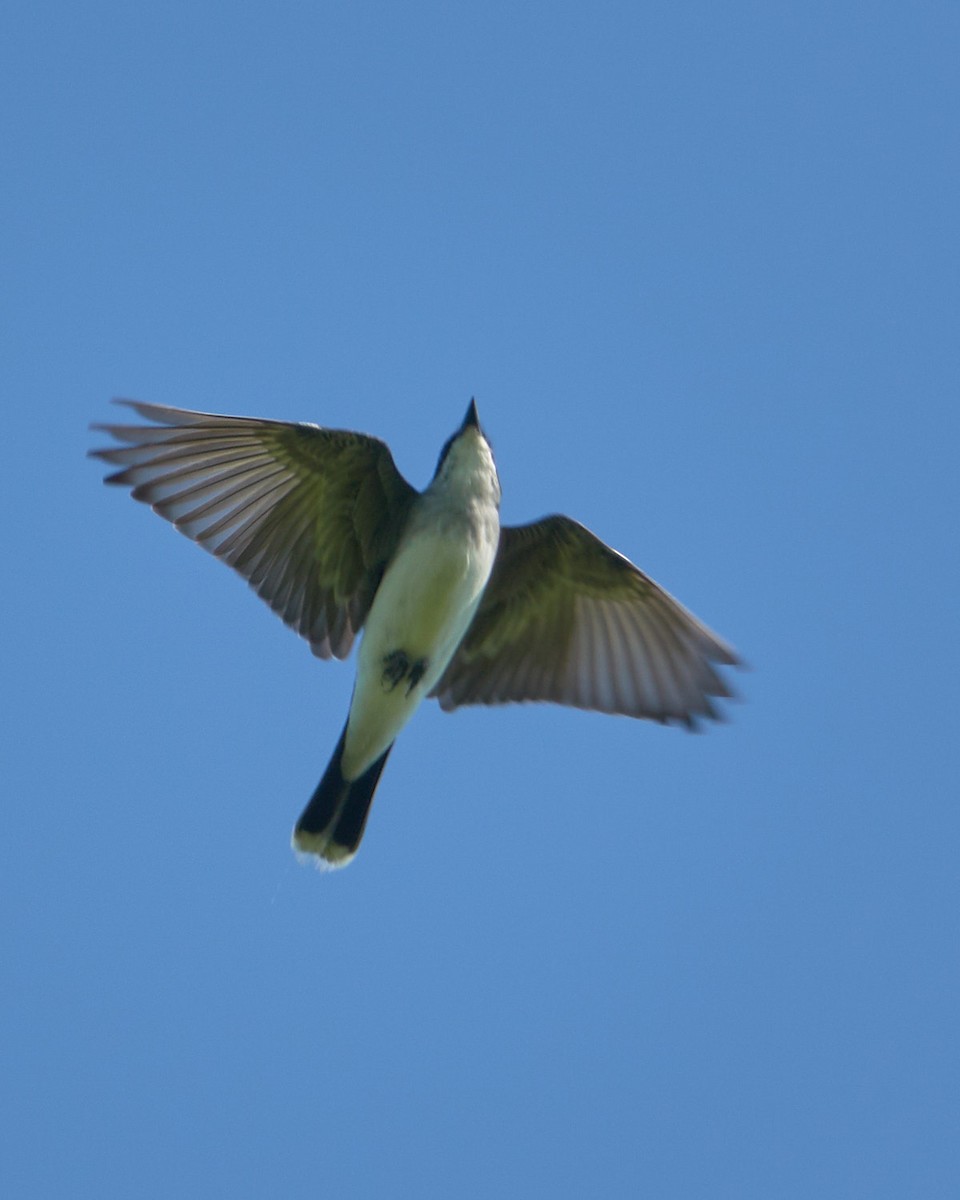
(699, 264)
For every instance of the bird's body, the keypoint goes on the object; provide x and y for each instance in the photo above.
(328, 532)
(424, 605)
(421, 611)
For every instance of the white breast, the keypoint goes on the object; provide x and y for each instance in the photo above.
(424, 606)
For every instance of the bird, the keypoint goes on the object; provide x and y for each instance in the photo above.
(452, 604)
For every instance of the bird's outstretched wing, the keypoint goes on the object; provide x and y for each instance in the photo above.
(308, 516)
(565, 618)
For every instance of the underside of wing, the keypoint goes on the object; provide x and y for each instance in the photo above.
(309, 516)
(567, 619)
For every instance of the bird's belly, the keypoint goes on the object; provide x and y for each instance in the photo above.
(422, 609)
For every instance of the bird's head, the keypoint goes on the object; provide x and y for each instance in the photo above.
(467, 459)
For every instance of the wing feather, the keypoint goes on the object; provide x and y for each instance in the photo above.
(309, 516)
(567, 619)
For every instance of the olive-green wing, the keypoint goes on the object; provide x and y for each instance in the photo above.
(566, 619)
(308, 516)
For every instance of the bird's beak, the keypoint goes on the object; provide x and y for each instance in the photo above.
(472, 418)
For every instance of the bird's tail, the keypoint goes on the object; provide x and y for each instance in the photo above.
(332, 824)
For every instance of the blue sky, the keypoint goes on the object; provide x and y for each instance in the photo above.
(699, 265)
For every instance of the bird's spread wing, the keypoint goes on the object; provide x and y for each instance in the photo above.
(567, 619)
(308, 515)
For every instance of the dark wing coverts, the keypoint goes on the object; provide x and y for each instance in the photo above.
(308, 515)
(566, 619)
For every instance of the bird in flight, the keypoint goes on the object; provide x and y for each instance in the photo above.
(453, 605)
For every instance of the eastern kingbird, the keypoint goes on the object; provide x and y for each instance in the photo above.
(327, 531)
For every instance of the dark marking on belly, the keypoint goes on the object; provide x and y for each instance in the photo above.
(397, 667)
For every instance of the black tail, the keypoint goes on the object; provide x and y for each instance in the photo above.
(332, 824)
